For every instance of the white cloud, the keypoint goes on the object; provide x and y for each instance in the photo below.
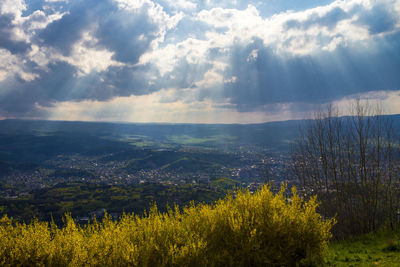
(87, 57)
(234, 26)
(214, 76)
(41, 56)
(156, 12)
(14, 7)
(182, 4)
(24, 27)
(322, 30)
(133, 4)
(12, 65)
(211, 79)
(233, 79)
(39, 20)
(168, 57)
(253, 55)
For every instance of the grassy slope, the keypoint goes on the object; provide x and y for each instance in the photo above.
(375, 249)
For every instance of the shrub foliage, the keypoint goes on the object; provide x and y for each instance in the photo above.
(260, 229)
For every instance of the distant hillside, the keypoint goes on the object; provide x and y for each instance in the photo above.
(27, 141)
(275, 134)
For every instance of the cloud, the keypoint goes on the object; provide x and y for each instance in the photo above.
(305, 32)
(227, 57)
(312, 79)
(379, 18)
(63, 33)
(87, 57)
(8, 39)
(313, 56)
(138, 27)
(182, 4)
(12, 66)
(16, 30)
(317, 55)
(149, 108)
(13, 7)
(10, 11)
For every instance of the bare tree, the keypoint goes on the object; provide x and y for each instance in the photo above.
(350, 162)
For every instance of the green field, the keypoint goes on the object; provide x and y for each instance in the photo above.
(204, 140)
(374, 249)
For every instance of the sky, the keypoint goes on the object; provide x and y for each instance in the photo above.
(187, 61)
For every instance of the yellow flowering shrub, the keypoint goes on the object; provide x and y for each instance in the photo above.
(260, 229)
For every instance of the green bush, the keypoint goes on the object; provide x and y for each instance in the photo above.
(260, 229)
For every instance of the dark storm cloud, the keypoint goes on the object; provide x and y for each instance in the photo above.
(61, 83)
(62, 34)
(379, 19)
(127, 81)
(329, 76)
(185, 74)
(53, 85)
(126, 34)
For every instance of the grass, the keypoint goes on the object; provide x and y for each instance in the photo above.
(375, 249)
(140, 141)
(225, 183)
